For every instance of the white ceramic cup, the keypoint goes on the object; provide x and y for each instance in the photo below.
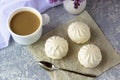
(33, 37)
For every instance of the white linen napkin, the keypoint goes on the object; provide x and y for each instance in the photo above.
(7, 6)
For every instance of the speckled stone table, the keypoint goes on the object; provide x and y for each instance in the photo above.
(16, 62)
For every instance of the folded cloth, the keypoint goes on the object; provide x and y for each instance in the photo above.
(7, 6)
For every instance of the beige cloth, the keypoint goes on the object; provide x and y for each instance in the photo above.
(110, 57)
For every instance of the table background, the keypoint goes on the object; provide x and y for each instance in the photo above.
(16, 62)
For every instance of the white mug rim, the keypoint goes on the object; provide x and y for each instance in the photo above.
(34, 11)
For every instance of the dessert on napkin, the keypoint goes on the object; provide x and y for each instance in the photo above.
(109, 56)
(89, 55)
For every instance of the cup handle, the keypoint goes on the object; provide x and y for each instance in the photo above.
(46, 19)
